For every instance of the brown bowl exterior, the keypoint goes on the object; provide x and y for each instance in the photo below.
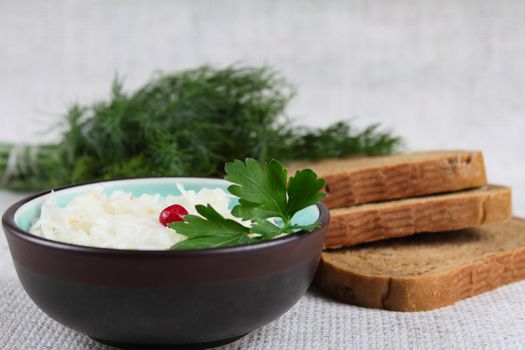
(144, 298)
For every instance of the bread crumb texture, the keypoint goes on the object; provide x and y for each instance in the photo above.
(435, 213)
(426, 271)
(354, 181)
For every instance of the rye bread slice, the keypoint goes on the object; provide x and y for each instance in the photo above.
(373, 179)
(426, 271)
(435, 213)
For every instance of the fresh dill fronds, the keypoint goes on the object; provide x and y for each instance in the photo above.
(189, 123)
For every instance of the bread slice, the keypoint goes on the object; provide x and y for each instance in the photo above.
(373, 179)
(426, 271)
(443, 212)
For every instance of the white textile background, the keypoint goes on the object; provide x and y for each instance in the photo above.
(443, 74)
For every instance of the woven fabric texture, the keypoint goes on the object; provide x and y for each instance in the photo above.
(494, 320)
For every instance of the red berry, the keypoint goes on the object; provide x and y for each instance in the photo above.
(172, 213)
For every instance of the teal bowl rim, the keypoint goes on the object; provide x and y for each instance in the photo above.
(8, 221)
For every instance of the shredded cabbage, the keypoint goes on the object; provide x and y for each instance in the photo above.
(119, 220)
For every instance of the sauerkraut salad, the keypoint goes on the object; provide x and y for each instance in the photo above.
(121, 221)
(266, 202)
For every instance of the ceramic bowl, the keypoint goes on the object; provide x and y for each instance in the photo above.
(138, 298)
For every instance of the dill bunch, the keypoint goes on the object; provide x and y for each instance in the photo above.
(189, 123)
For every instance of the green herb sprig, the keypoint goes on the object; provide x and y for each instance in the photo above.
(189, 123)
(264, 193)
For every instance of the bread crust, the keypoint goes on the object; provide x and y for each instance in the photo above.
(452, 211)
(354, 181)
(424, 291)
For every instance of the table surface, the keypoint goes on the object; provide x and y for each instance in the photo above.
(494, 320)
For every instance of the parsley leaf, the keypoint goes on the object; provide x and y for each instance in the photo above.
(307, 228)
(303, 191)
(211, 230)
(263, 193)
(265, 199)
(261, 188)
(267, 229)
